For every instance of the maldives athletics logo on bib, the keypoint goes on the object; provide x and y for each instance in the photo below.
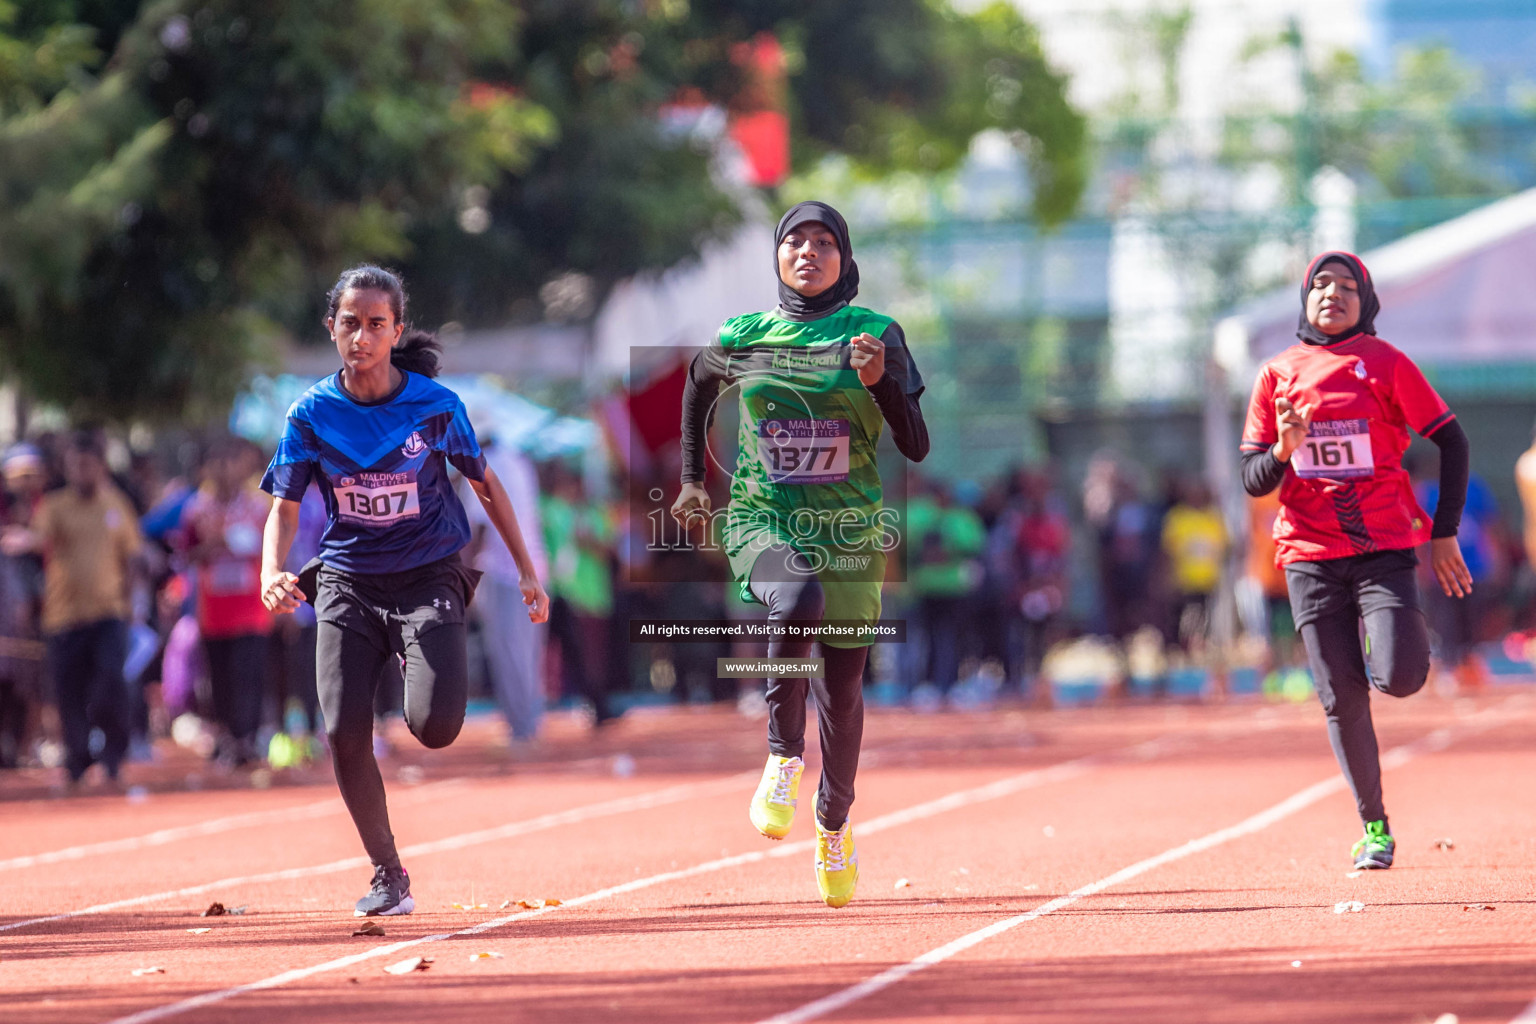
(413, 446)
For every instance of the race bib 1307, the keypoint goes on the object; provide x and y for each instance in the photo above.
(377, 499)
(1336, 450)
(804, 451)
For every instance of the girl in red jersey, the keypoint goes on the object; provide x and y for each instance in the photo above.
(1328, 424)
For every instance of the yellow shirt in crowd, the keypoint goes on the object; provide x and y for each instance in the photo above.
(1195, 540)
(88, 545)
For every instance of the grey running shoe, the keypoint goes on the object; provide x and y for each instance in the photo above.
(390, 895)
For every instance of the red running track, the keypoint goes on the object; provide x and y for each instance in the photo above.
(1137, 863)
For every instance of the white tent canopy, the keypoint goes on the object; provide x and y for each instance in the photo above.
(1462, 291)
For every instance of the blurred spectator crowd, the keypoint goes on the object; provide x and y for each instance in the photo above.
(129, 607)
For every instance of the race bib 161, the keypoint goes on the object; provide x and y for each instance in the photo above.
(804, 451)
(377, 499)
(1336, 450)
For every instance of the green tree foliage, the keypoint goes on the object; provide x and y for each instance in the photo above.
(181, 179)
(157, 220)
(894, 84)
(1404, 136)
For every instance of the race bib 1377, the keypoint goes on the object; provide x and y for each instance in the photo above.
(804, 451)
(377, 499)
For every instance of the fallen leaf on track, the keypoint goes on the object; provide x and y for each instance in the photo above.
(372, 929)
(538, 904)
(1479, 906)
(504, 904)
(488, 955)
(415, 963)
(139, 972)
(1348, 907)
(214, 910)
(238, 910)
(1444, 844)
(902, 883)
(471, 906)
(198, 931)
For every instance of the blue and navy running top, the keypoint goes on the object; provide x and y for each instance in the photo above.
(382, 469)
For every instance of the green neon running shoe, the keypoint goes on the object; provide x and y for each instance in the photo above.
(1374, 850)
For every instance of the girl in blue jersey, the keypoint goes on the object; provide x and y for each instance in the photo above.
(378, 436)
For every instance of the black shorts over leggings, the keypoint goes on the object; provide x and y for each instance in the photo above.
(365, 620)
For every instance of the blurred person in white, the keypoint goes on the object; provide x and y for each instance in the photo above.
(514, 646)
(89, 538)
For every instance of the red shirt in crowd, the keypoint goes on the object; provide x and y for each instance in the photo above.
(229, 575)
(1346, 492)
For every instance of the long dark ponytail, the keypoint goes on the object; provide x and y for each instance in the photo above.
(418, 350)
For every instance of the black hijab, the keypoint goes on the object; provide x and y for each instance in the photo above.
(844, 288)
(1369, 305)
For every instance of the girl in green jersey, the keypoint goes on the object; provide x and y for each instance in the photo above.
(805, 531)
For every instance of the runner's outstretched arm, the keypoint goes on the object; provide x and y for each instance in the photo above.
(279, 590)
(499, 507)
(1455, 471)
(1445, 557)
(888, 374)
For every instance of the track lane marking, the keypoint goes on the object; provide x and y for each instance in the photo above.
(1527, 1016)
(1031, 779)
(542, 823)
(1145, 749)
(214, 826)
(1430, 743)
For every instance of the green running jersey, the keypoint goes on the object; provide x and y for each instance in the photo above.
(806, 471)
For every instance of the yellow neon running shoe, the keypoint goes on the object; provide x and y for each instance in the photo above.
(837, 865)
(773, 805)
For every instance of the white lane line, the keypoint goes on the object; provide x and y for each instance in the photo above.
(1527, 1016)
(1031, 779)
(575, 815)
(1145, 750)
(1394, 758)
(128, 844)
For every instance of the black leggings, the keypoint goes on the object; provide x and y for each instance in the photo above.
(783, 581)
(1337, 597)
(349, 666)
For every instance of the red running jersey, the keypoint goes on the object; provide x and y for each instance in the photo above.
(1345, 491)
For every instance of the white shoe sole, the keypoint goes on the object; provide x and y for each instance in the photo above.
(405, 906)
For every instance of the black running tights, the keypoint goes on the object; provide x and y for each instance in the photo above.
(1399, 664)
(348, 668)
(783, 581)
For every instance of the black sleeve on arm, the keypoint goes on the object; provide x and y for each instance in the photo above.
(897, 393)
(699, 393)
(1262, 472)
(1455, 467)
